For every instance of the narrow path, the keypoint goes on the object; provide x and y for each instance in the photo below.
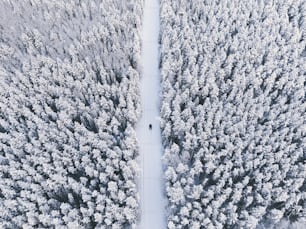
(153, 213)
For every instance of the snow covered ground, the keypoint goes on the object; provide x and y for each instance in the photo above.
(151, 191)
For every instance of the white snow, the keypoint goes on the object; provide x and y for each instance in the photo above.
(153, 213)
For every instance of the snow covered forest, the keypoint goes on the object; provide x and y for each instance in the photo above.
(233, 113)
(69, 100)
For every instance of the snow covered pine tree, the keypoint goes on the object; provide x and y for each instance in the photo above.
(69, 100)
(233, 112)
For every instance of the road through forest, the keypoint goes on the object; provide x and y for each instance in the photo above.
(152, 202)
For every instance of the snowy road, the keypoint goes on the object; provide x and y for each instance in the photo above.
(151, 191)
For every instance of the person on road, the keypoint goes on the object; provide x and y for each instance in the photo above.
(150, 126)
